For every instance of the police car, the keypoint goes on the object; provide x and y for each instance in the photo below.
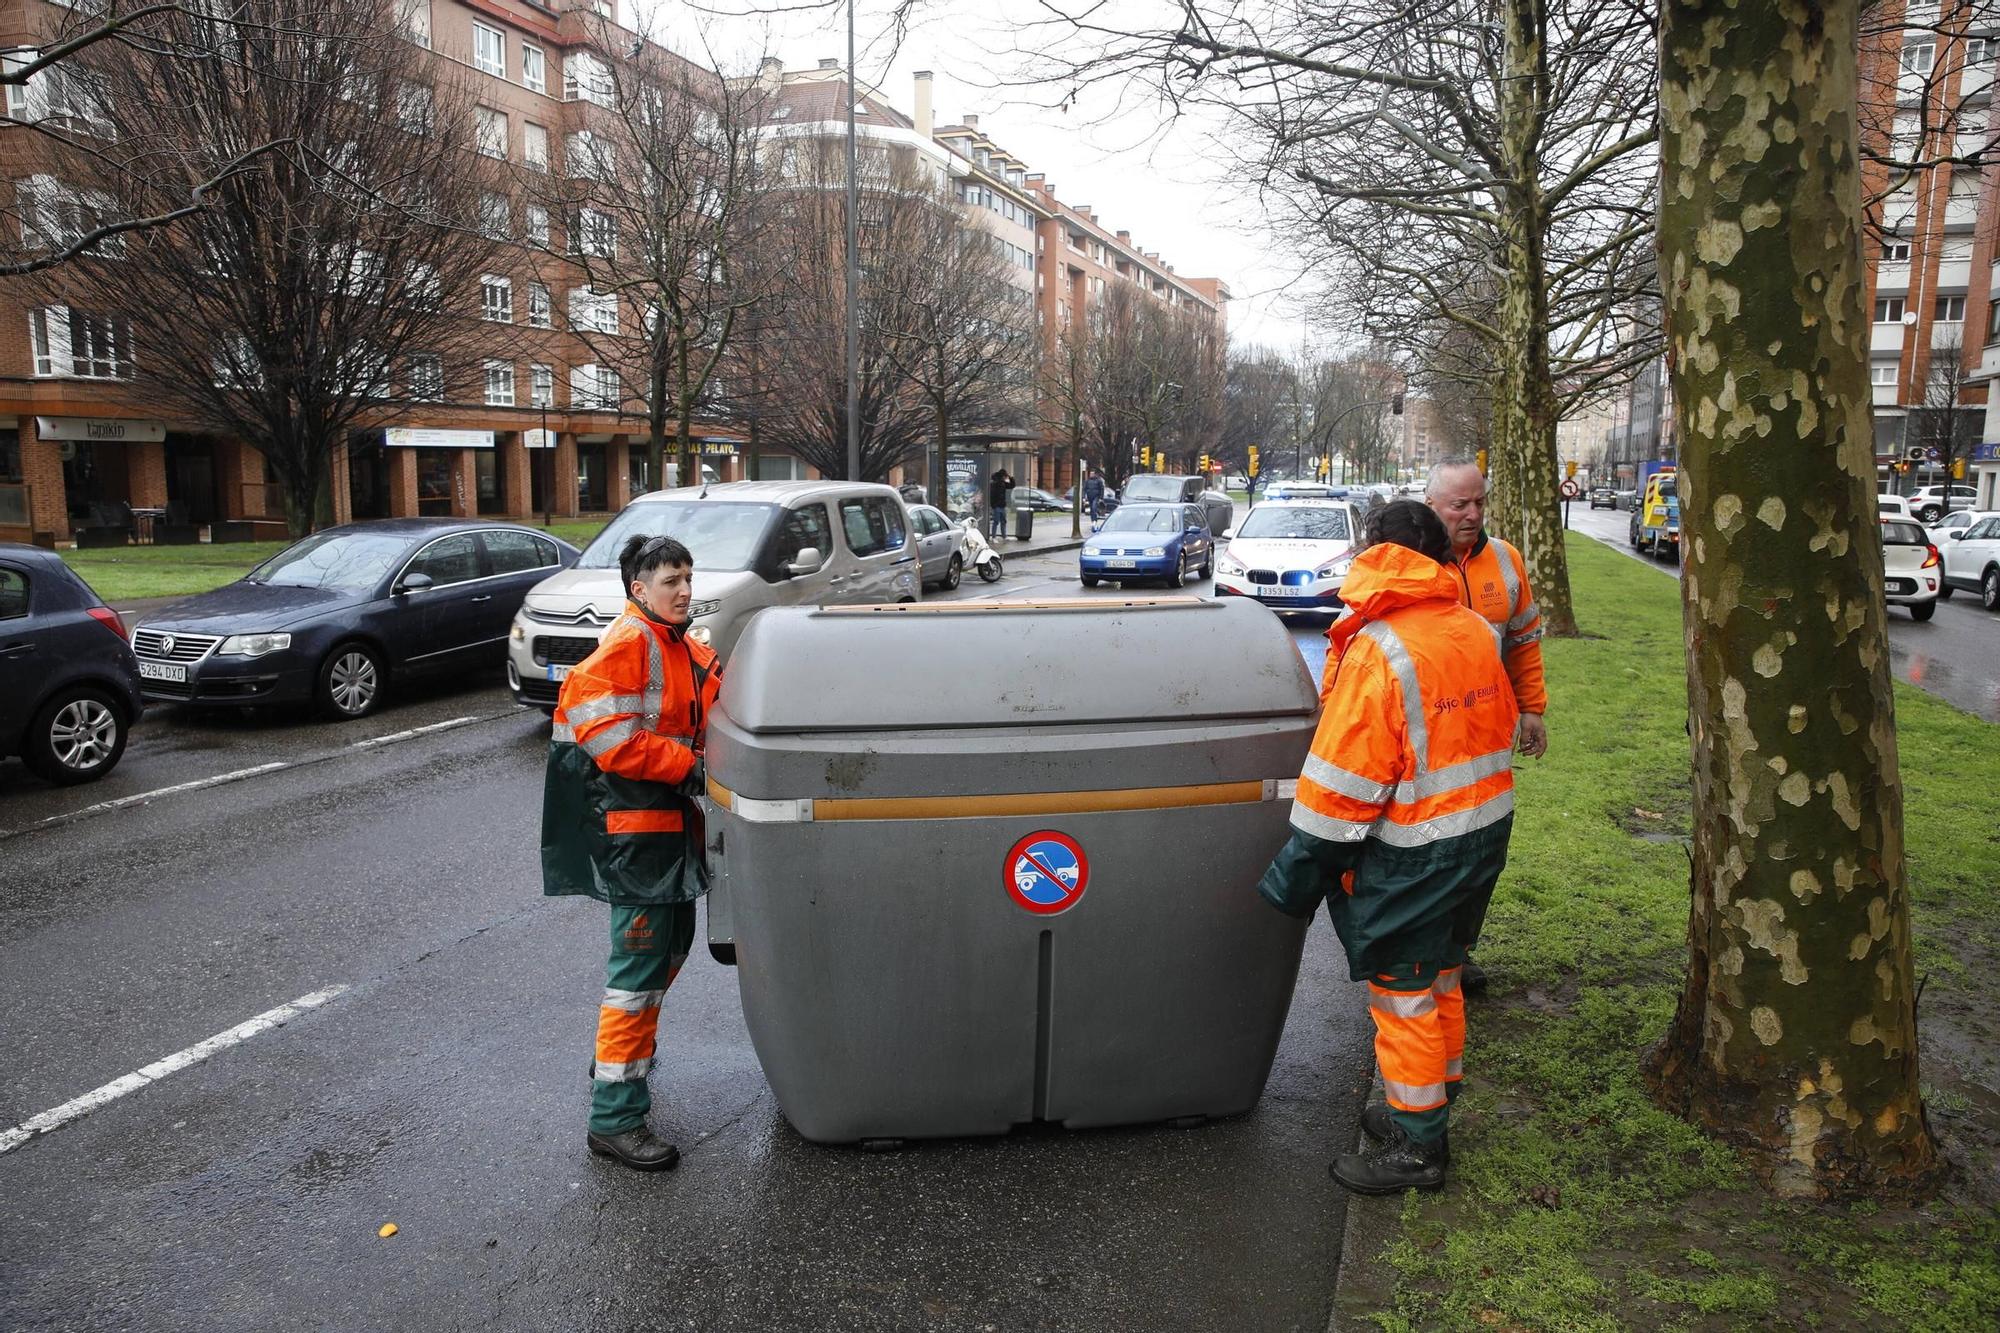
(1291, 555)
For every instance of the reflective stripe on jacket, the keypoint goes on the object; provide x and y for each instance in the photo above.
(618, 821)
(1493, 580)
(1407, 797)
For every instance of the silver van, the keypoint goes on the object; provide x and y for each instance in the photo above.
(755, 544)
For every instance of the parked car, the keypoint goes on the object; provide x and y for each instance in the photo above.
(1291, 555)
(1603, 497)
(1955, 525)
(1973, 563)
(937, 547)
(1037, 499)
(1626, 499)
(1302, 490)
(337, 617)
(69, 685)
(1162, 488)
(755, 544)
(1911, 567)
(1149, 541)
(1932, 502)
(1105, 504)
(1892, 506)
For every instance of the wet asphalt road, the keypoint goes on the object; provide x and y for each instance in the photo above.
(444, 1088)
(1955, 655)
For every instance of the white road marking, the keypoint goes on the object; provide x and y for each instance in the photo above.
(395, 736)
(78, 1107)
(121, 802)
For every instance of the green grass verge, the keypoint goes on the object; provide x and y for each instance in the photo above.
(1577, 1204)
(124, 574)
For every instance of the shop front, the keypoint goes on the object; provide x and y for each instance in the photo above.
(1985, 475)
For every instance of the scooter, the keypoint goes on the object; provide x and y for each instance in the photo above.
(977, 551)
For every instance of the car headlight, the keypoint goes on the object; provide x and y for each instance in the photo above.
(1336, 569)
(253, 645)
(700, 633)
(1229, 568)
(518, 632)
(1156, 550)
(707, 608)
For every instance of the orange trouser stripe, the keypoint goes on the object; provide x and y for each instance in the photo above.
(642, 821)
(625, 1035)
(1419, 1041)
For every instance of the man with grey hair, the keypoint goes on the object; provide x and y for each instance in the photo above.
(1493, 579)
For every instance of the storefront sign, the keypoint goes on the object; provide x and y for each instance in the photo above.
(1986, 453)
(425, 437)
(115, 429)
(538, 439)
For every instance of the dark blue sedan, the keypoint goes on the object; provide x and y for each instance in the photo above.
(338, 617)
(1149, 541)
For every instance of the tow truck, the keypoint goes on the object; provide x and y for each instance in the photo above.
(1656, 515)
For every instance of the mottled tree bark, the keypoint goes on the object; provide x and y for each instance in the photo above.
(1795, 1036)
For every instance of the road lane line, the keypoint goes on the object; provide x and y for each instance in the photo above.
(395, 736)
(121, 802)
(57, 1117)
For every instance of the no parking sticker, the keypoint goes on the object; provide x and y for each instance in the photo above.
(1046, 872)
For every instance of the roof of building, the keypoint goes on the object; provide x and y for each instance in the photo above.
(810, 101)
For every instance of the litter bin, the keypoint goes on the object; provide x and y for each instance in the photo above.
(1024, 521)
(983, 865)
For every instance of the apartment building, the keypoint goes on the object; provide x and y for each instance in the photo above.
(533, 424)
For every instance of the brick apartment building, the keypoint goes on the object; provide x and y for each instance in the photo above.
(536, 425)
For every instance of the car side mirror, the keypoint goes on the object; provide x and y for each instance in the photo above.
(414, 582)
(807, 561)
(1229, 534)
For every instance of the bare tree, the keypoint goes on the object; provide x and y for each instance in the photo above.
(1946, 427)
(1260, 387)
(1067, 401)
(313, 296)
(660, 205)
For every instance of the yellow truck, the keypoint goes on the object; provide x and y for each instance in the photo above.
(1656, 516)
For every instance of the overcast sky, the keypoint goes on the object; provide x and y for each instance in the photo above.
(1110, 153)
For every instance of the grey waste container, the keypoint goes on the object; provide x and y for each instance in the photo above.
(984, 864)
(1024, 520)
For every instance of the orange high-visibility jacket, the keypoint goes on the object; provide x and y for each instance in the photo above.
(617, 820)
(1407, 798)
(1493, 580)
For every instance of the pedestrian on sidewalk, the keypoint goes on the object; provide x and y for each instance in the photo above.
(1093, 496)
(1493, 580)
(997, 491)
(620, 824)
(1401, 823)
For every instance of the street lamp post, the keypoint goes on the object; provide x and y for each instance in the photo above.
(853, 274)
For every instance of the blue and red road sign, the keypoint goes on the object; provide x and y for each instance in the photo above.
(1046, 872)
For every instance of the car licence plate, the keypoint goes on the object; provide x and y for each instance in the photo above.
(558, 672)
(1121, 564)
(172, 671)
(1273, 590)
(1899, 585)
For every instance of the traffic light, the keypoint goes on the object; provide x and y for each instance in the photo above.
(1569, 467)
(1145, 455)
(1253, 460)
(1957, 467)
(1160, 461)
(1204, 463)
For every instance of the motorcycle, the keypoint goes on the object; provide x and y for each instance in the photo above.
(976, 551)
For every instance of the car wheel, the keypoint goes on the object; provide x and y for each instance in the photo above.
(1207, 570)
(77, 736)
(1922, 610)
(1929, 514)
(953, 573)
(1989, 590)
(350, 682)
(1089, 580)
(1179, 576)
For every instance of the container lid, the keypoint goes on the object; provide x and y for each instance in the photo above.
(1012, 664)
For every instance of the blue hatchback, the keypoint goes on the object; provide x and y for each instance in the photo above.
(1149, 541)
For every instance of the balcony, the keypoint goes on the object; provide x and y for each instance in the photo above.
(1892, 278)
(1954, 275)
(1948, 333)
(1886, 338)
(1885, 395)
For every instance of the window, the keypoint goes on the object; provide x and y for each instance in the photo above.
(593, 311)
(72, 344)
(1993, 321)
(448, 560)
(1882, 374)
(489, 50)
(517, 552)
(1888, 310)
(805, 526)
(415, 20)
(541, 385)
(586, 79)
(499, 384)
(236, 364)
(416, 108)
(538, 225)
(496, 299)
(871, 526)
(1978, 51)
(595, 234)
(541, 310)
(13, 594)
(496, 216)
(588, 157)
(427, 377)
(1950, 310)
(534, 69)
(1918, 57)
(535, 146)
(55, 216)
(490, 131)
(593, 386)
(1895, 252)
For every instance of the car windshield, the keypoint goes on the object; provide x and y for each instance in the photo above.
(1902, 533)
(722, 535)
(1153, 488)
(1144, 518)
(1313, 523)
(336, 561)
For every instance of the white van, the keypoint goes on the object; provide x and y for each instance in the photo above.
(755, 544)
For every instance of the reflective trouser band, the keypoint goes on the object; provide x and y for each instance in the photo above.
(1446, 981)
(623, 1071)
(1454, 1069)
(1413, 1096)
(1403, 1005)
(632, 1001)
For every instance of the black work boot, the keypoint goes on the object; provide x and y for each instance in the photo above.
(1392, 1168)
(1472, 980)
(1381, 1127)
(639, 1148)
